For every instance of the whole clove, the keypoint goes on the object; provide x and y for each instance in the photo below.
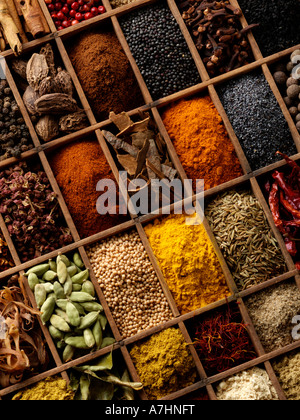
(218, 34)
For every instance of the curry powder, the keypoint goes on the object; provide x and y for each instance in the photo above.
(52, 388)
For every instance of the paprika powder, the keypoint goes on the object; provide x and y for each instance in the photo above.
(78, 167)
(201, 141)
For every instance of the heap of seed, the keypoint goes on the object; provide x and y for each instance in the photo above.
(245, 238)
(129, 283)
(256, 119)
(160, 50)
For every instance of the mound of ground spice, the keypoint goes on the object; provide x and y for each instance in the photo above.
(188, 261)
(272, 311)
(287, 369)
(105, 73)
(50, 389)
(201, 141)
(78, 167)
(164, 363)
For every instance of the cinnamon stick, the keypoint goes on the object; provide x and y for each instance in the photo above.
(14, 14)
(32, 15)
(10, 29)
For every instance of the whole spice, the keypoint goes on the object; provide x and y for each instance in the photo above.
(201, 141)
(67, 300)
(188, 262)
(71, 13)
(222, 341)
(160, 50)
(279, 23)
(22, 347)
(245, 238)
(256, 119)
(6, 260)
(164, 363)
(103, 380)
(218, 34)
(284, 74)
(104, 73)
(252, 384)
(31, 212)
(272, 311)
(14, 134)
(287, 371)
(283, 191)
(129, 283)
(49, 94)
(50, 389)
(78, 185)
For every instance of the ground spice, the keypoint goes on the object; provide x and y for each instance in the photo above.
(222, 341)
(50, 389)
(245, 238)
(78, 167)
(188, 261)
(287, 370)
(252, 384)
(272, 311)
(164, 363)
(201, 141)
(105, 73)
(129, 283)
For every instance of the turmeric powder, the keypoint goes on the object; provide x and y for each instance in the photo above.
(164, 363)
(188, 262)
(52, 388)
(201, 141)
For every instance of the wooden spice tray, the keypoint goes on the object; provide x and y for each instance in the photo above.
(249, 179)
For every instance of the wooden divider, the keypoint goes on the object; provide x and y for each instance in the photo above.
(250, 179)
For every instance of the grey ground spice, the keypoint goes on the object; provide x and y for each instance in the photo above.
(245, 238)
(287, 370)
(272, 311)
